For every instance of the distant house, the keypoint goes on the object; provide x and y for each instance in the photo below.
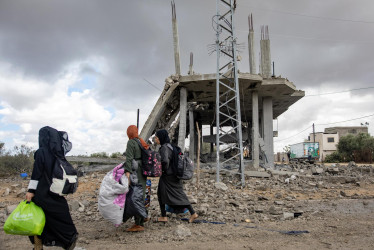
(343, 131)
(329, 139)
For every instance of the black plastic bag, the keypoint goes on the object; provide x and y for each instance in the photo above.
(134, 205)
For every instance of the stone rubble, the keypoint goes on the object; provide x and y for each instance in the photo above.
(283, 196)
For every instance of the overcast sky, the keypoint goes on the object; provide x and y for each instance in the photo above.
(83, 66)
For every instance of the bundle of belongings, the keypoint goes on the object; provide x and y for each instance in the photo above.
(135, 199)
(112, 195)
(119, 201)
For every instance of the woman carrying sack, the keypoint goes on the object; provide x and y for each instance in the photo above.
(133, 152)
(59, 229)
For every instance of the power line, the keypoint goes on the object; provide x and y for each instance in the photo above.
(325, 124)
(344, 121)
(330, 93)
(293, 135)
(318, 39)
(152, 84)
(310, 16)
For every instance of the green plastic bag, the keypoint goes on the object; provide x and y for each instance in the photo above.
(26, 219)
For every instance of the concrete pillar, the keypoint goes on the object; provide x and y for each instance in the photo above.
(268, 130)
(175, 40)
(251, 50)
(255, 130)
(182, 118)
(212, 144)
(265, 53)
(192, 135)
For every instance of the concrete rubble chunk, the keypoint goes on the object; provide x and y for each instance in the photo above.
(182, 231)
(10, 209)
(288, 216)
(221, 186)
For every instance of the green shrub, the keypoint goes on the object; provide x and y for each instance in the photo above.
(100, 155)
(18, 160)
(116, 155)
(333, 158)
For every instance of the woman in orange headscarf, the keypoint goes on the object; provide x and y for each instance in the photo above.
(133, 152)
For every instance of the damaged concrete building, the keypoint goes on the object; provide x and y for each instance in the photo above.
(188, 101)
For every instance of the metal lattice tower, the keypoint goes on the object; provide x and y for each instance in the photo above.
(227, 85)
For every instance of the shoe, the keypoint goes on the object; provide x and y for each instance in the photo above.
(193, 217)
(135, 228)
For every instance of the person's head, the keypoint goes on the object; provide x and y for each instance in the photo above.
(162, 137)
(55, 141)
(132, 132)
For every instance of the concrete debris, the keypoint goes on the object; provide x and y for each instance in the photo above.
(182, 231)
(221, 186)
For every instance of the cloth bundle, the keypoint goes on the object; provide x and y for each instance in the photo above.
(112, 195)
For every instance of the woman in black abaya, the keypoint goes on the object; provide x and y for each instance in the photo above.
(59, 229)
(170, 188)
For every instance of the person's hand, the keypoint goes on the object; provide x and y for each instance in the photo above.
(29, 196)
(128, 176)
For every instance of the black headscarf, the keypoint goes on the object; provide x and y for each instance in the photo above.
(163, 136)
(56, 142)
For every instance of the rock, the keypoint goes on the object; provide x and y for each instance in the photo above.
(342, 193)
(22, 192)
(274, 210)
(2, 217)
(351, 164)
(10, 208)
(288, 216)
(74, 205)
(221, 186)
(182, 231)
(280, 203)
(6, 192)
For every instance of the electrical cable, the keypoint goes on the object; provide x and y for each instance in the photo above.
(310, 16)
(349, 90)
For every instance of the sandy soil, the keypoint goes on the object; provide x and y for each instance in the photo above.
(332, 222)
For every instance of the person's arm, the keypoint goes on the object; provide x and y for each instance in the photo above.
(164, 158)
(36, 175)
(130, 154)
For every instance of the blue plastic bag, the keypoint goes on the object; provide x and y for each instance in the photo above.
(26, 219)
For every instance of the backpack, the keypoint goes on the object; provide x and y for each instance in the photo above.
(182, 165)
(151, 162)
(64, 178)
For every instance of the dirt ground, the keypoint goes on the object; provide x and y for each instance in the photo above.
(329, 221)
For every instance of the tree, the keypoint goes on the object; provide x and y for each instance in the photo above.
(350, 144)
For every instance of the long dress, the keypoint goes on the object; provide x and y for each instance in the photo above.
(59, 229)
(170, 188)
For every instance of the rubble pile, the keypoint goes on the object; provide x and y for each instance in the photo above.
(282, 193)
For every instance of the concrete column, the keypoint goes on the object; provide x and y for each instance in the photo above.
(182, 118)
(212, 144)
(251, 50)
(192, 135)
(255, 130)
(175, 40)
(268, 130)
(265, 53)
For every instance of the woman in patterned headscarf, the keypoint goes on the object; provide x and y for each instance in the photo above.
(59, 229)
(133, 152)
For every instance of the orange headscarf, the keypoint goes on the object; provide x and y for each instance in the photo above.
(132, 132)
